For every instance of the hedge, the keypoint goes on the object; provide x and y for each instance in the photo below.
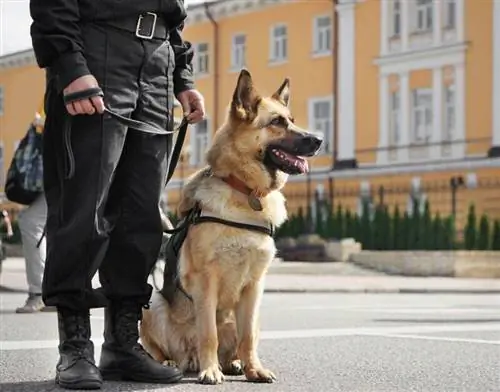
(383, 229)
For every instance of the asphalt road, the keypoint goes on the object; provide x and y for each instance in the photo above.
(313, 342)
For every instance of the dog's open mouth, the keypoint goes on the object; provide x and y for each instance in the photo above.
(280, 159)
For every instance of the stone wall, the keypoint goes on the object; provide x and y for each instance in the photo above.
(460, 264)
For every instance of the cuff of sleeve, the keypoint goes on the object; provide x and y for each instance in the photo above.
(183, 81)
(68, 67)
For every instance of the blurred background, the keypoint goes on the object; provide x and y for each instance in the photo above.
(406, 92)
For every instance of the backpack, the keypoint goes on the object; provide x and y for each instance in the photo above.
(24, 181)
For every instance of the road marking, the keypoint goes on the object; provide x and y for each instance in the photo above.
(299, 334)
(372, 309)
(441, 338)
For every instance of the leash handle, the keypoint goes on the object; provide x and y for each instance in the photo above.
(129, 122)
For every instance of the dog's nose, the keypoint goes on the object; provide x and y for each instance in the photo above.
(312, 141)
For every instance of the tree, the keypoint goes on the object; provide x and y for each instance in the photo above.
(436, 234)
(495, 238)
(483, 239)
(470, 235)
(397, 236)
(425, 232)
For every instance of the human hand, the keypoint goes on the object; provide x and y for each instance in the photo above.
(87, 105)
(193, 105)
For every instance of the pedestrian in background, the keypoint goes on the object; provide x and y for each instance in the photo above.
(31, 222)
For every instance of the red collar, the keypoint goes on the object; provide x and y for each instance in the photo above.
(237, 184)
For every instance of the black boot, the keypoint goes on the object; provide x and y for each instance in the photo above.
(122, 357)
(76, 368)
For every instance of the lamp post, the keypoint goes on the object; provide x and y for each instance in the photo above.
(455, 183)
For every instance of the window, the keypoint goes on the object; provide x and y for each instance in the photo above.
(449, 115)
(199, 142)
(421, 116)
(279, 43)
(322, 36)
(238, 51)
(201, 58)
(395, 119)
(321, 120)
(424, 15)
(396, 18)
(450, 8)
(1, 100)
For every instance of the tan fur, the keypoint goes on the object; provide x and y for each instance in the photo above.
(222, 267)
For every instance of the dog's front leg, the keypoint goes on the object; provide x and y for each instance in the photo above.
(205, 303)
(247, 316)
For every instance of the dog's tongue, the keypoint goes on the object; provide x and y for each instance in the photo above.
(302, 165)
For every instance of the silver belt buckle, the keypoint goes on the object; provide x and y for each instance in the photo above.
(140, 20)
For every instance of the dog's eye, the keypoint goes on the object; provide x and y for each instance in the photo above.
(278, 122)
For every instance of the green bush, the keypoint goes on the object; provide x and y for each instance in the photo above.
(495, 238)
(483, 239)
(470, 235)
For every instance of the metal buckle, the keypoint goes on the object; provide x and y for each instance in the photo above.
(139, 26)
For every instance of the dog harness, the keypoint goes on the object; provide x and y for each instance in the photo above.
(195, 216)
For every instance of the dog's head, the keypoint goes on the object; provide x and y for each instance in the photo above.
(260, 142)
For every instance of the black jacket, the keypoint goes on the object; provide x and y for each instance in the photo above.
(57, 40)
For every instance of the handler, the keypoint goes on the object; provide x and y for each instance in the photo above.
(102, 179)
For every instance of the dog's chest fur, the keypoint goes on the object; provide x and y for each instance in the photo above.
(242, 256)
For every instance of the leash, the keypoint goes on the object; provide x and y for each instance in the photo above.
(131, 123)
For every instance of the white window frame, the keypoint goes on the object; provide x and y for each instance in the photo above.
(327, 147)
(282, 56)
(2, 100)
(196, 157)
(396, 18)
(450, 14)
(238, 51)
(425, 110)
(450, 110)
(322, 34)
(202, 57)
(395, 118)
(425, 10)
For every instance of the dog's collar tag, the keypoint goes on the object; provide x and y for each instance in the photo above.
(254, 202)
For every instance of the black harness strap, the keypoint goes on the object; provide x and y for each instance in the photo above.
(260, 229)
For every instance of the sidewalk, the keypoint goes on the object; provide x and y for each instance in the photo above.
(297, 277)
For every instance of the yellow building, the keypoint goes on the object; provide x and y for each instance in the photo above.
(416, 108)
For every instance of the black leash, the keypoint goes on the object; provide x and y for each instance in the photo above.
(131, 123)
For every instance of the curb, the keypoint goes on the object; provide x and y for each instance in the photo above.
(380, 291)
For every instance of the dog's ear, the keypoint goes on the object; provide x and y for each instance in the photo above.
(245, 98)
(283, 93)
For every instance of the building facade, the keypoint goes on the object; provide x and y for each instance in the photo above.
(406, 92)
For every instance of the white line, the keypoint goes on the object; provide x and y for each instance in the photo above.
(393, 310)
(296, 334)
(322, 333)
(441, 338)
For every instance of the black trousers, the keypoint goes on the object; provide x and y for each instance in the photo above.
(105, 216)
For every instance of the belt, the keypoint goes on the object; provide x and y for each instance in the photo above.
(147, 25)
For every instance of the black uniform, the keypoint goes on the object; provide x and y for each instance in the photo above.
(103, 181)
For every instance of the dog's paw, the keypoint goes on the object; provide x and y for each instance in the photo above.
(211, 375)
(233, 369)
(260, 375)
(170, 363)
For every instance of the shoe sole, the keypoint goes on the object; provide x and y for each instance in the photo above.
(80, 384)
(117, 375)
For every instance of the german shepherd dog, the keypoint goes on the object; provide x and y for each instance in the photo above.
(211, 326)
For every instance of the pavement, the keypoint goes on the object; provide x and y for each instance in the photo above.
(331, 341)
